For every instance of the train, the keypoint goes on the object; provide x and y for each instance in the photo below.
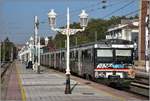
(105, 59)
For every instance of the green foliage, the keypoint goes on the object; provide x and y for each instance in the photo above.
(95, 31)
(7, 48)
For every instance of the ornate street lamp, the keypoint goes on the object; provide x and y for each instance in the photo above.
(83, 19)
(52, 18)
(67, 31)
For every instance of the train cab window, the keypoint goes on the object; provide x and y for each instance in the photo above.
(104, 53)
(123, 52)
(123, 56)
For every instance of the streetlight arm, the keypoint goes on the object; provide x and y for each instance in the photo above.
(63, 31)
(71, 31)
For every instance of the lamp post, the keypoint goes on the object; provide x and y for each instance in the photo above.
(31, 51)
(30, 45)
(36, 48)
(68, 31)
(39, 52)
(27, 57)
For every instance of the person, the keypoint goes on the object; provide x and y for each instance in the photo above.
(29, 65)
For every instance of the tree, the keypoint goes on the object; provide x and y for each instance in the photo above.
(96, 29)
(8, 50)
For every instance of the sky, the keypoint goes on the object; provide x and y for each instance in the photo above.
(17, 16)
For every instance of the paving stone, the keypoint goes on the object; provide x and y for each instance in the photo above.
(50, 86)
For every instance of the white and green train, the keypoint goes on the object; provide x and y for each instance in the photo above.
(106, 59)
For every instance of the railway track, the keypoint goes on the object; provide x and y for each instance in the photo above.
(141, 84)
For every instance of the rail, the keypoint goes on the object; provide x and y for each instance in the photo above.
(141, 84)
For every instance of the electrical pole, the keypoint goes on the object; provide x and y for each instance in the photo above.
(147, 35)
(142, 34)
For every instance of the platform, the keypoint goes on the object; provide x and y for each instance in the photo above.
(50, 85)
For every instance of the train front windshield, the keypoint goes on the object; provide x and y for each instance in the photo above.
(117, 56)
(104, 55)
(123, 56)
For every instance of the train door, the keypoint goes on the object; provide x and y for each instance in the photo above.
(87, 63)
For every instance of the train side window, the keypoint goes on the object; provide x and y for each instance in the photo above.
(52, 56)
(62, 56)
(72, 55)
(76, 55)
(86, 55)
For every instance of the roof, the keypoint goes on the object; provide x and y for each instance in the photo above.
(130, 25)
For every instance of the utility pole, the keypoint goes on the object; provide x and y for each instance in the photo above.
(142, 35)
(147, 40)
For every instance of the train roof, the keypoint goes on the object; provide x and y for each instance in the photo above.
(106, 43)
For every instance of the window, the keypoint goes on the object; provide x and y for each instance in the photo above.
(86, 54)
(104, 53)
(123, 52)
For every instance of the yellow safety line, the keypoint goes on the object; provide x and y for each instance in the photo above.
(23, 93)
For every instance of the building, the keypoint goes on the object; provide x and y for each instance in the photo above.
(127, 30)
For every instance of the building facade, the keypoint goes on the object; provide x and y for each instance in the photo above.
(127, 30)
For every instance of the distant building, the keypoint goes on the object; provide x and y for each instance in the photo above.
(127, 30)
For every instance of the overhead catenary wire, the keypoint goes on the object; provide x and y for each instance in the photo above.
(90, 10)
(126, 5)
